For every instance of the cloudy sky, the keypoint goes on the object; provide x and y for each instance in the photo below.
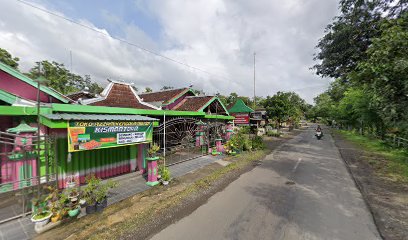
(218, 38)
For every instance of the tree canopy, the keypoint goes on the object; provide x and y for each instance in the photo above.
(284, 106)
(366, 49)
(8, 59)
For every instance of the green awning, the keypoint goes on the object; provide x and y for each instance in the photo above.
(98, 117)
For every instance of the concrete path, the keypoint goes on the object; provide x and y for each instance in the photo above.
(302, 191)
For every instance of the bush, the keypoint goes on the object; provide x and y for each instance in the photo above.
(257, 143)
(273, 133)
(244, 130)
(239, 142)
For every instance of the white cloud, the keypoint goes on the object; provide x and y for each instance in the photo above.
(218, 36)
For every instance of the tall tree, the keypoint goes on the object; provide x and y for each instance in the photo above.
(385, 72)
(8, 59)
(348, 37)
(284, 106)
(61, 79)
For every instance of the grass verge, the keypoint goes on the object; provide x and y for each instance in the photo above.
(395, 163)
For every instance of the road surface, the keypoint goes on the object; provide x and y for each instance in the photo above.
(301, 191)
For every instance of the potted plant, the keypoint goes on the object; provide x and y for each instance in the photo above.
(101, 195)
(57, 207)
(152, 153)
(73, 209)
(73, 194)
(165, 175)
(41, 217)
(89, 192)
(95, 193)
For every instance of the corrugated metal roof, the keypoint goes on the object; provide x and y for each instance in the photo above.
(98, 117)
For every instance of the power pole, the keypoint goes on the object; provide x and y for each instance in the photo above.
(254, 82)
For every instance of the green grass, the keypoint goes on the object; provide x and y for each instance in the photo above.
(396, 165)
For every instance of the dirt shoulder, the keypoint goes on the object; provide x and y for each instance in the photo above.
(146, 213)
(386, 199)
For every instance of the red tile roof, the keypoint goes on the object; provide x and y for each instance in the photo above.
(83, 95)
(162, 96)
(192, 103)
(121, 95)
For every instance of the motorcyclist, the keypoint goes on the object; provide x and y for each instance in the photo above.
(319, 129)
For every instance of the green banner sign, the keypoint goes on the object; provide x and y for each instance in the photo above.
(88, 135)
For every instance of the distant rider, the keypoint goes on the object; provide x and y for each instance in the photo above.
(319, 129)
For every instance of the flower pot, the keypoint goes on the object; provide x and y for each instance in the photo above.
(55, 218)
(165, 183)
(100, 206)
(42, 221)
(152, 158)
(74, 198)
(90, 209)
(73, 212)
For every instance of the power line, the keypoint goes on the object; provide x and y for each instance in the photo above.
(121, 40)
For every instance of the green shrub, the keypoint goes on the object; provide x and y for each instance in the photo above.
(240, 142)
(244, 130)
(273, 133)
(258, 143)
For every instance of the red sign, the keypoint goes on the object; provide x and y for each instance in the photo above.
(241, 118)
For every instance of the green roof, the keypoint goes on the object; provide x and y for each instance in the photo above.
(15, 73)
(76, 108)
(22, 127)
(8, 97)
(98, 117)
(240, 107)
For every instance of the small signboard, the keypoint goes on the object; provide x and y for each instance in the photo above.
(88, 135)
(241, 118)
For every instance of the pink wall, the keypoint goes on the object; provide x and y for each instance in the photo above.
(22, 89)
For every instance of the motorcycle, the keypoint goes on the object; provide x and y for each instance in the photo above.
(319, 135)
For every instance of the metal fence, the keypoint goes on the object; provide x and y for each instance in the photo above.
(177, 138)
(27, 163)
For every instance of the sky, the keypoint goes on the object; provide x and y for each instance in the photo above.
(212, 42)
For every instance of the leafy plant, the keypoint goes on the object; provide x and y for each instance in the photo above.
(102, 191)
(153, 150)
(96, 191)
(90, 189)
(273, 134)
(257, 143)
(165, 174)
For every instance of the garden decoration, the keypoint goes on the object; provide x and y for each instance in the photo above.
(218, 145)
(230, 131)
(152, 170)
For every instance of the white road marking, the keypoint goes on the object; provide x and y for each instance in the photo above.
(297, 164)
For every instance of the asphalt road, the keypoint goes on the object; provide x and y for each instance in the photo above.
(301, 191)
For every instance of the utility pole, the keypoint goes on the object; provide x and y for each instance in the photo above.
(254, 82)
(38, 130)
